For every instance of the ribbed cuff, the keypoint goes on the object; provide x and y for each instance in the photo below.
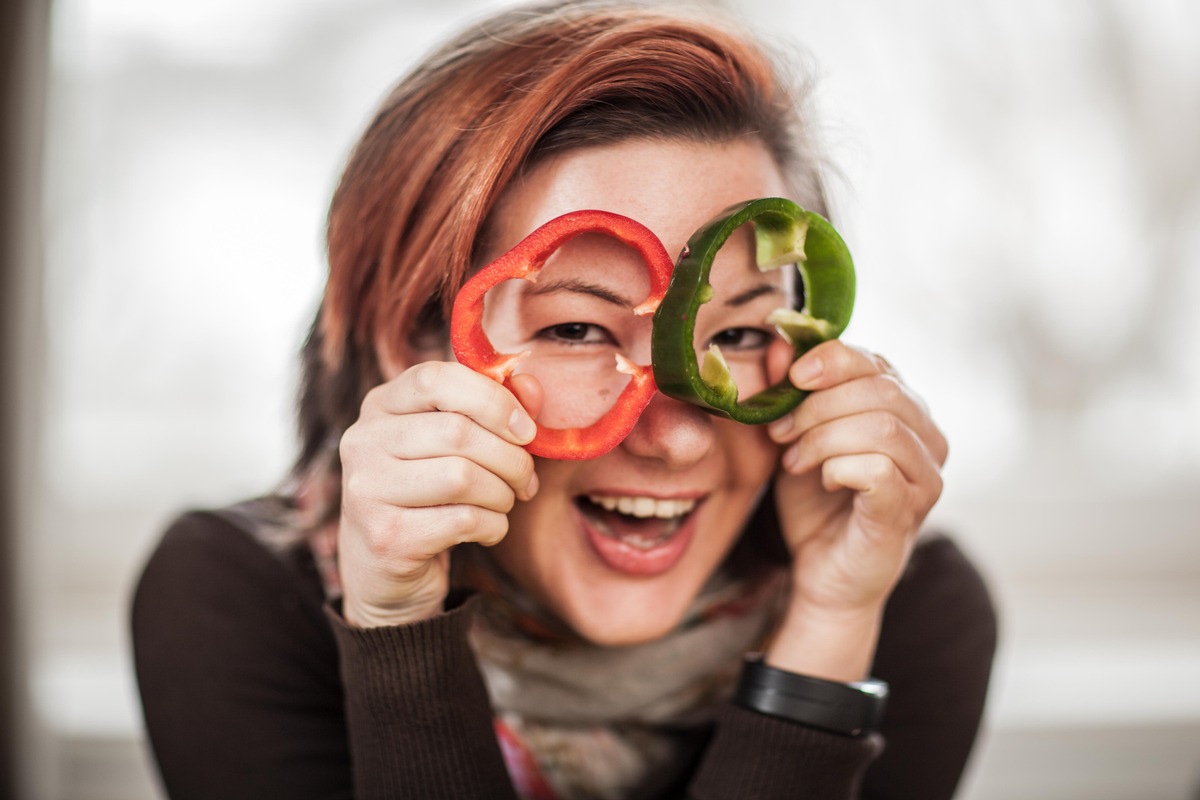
(754, 755)
(419, 718)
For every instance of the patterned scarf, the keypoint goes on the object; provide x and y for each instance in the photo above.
(576, 720)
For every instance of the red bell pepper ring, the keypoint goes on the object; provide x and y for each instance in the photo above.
(525, 261)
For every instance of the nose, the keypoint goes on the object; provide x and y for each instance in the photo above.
(676, 433)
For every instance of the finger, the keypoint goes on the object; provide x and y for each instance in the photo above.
(834, 362)
(882, 492)
(872, 432)
(447, 386)
(447, 480)
(874, 392)
(437, 434)
(408, 538)
(445, 526)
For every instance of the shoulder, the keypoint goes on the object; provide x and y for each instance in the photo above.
(940, 572)
(211, 581)
(941, 607)
(210, 551)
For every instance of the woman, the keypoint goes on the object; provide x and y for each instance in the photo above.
(428, 611)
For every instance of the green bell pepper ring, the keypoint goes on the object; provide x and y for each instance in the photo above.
(784, 233)
(472, 347)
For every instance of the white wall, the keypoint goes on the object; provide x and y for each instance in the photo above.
(1020, 184)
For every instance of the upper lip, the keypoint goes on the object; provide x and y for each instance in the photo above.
(657, 495)
(645, 506)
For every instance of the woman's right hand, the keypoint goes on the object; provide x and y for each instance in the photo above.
(435, 459)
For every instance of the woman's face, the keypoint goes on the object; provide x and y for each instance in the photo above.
(618, 546)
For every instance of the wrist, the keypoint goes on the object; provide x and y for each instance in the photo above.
(359, 615)
(850, 709)
(833, 644)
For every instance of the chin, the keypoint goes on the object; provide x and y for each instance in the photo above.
(616, 632)
(617, 614)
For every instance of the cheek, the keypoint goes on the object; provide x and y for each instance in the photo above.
(750, 452)
(535, 526)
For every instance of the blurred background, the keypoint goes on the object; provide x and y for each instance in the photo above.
(1019, 182)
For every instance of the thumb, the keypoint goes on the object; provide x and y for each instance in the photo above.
(780, 356)
(529, 393)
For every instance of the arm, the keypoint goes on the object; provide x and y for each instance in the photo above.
(248, 693)
(935, 651)
(237, 670)
(859, 472)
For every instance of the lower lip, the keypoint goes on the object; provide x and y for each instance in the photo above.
(635, 561)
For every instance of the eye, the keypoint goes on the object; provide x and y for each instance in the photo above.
(575, 333)
(741, 339)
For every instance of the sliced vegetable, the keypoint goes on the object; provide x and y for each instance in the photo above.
(525, 261)
(784, 233)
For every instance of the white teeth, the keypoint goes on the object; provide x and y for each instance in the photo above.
(644, 507)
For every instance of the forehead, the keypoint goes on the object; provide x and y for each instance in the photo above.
(672, 187)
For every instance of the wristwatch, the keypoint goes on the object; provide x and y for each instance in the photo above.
(851, 709)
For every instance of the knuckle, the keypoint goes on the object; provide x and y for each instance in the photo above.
(371, 400)
(888, 389)
(383, 537)
(493, 529)
(936, 484)
(881, 469)
(888, 427)
(348, 444)
(848, 353)
(354, 486)
(458, 475)
(942, 452)
(457, 430)
(425, 376)
(462, 519)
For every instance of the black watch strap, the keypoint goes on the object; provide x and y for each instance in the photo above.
(851, 709)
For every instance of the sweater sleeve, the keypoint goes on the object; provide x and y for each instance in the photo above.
(253, 688)
(418, 710)
(237, 670)
(755, 755)
(935, 651)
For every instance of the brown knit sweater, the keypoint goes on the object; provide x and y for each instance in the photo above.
(253, 687)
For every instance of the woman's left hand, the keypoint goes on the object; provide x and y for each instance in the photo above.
(859, 472)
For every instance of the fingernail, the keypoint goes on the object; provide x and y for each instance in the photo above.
(791, 457)
(522, 426)
(532, 488)
(806, 370)
(781, 426)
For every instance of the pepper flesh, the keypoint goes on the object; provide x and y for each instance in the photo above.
(784, 233)
(473, 348)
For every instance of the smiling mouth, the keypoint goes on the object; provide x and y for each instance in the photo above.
(643, 523)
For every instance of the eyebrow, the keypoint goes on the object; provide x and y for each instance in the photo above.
(581, 287)
(753, 293)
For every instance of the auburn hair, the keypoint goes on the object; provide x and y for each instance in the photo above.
(416, 195)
